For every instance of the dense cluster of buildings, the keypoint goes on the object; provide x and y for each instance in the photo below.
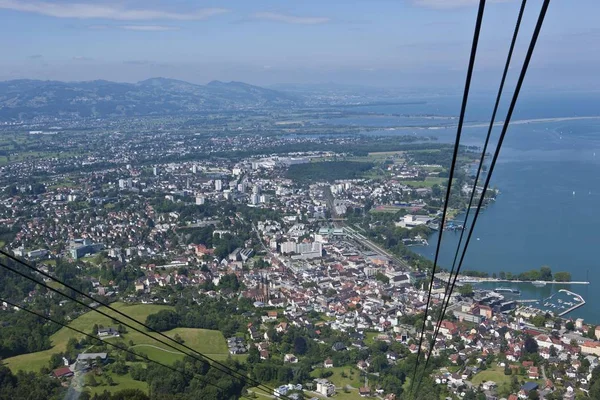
(298, 258)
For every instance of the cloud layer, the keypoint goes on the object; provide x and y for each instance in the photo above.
(113, 12)
(290, 19)
(149, 28)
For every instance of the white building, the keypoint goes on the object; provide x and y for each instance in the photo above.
(410, 221)
(218, 185)
(288, 247)
(325, 387)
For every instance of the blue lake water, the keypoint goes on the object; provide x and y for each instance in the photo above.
(548, 174)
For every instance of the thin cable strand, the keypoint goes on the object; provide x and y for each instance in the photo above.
(227, 370)
(511, 108)
(146, 358)
(479, 169)
(451, 173)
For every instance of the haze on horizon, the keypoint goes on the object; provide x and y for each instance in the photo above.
(412, 43)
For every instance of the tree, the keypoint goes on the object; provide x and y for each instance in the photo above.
(545, 273)
(539, 320)
(138, 372)
(119, 367)
(533, 395)
(300, 345)
(562, 276)
(382, 278)
(570, 326)
(178, 338)
(253, 356)
(514, 384)
(56, 360)
(163, 320)
(531, 346)
(466, 290)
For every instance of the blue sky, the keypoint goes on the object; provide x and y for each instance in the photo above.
(376, 42)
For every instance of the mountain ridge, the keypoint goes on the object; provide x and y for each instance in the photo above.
(30, 98)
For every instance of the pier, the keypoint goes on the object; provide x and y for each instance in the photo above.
(470, 279)
(576, 306)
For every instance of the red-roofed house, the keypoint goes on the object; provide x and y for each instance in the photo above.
(533, 373)
(448, 329)
(591, 348)
(63, 372)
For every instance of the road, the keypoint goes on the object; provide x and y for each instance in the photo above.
(339, 222)
(358, 237)
(267, 249)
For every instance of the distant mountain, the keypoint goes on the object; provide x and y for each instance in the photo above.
(26, 99)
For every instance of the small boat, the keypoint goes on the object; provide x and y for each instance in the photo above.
(507, 290)
(539, 283)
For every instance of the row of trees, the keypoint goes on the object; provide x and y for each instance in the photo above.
(543, 274)
(212, 313)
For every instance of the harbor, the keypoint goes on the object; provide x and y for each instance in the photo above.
(545, 299)
(575, 306)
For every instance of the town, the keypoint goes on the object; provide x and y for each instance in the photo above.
(296, 263)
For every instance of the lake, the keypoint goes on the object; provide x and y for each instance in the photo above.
(548, 174)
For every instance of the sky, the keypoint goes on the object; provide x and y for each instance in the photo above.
(388, 43)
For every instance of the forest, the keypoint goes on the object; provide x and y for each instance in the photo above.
(328, 171)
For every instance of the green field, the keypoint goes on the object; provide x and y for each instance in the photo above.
(338, 380)
(385, 209)
(121, 382)
(208, 342)
(370, 337)
(495, 374)
(427, 183)
(85, 322)
(212, 343)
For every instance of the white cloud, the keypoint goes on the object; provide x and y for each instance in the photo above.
(149, 28)
(446, 4)
(82, 58)
(114, 12)
(290, 19)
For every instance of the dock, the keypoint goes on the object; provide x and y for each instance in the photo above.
(576, 306)
(470, 279)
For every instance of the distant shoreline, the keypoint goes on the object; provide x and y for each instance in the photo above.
(534, 120)
(477, 124)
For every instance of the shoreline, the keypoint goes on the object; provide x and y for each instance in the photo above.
(470, 279)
